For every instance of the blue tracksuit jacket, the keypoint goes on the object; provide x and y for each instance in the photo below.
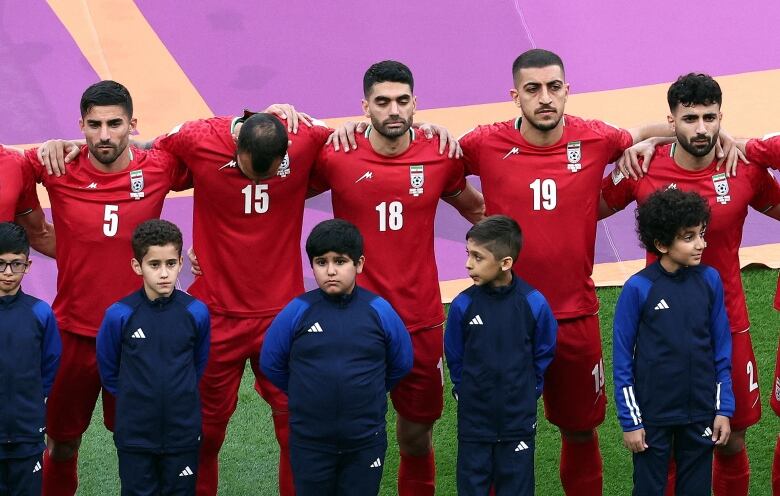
(336, 357)
(151, 355)
(672, 348)
(30, 351)
(498, 342)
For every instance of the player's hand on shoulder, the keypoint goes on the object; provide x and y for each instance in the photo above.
(55, 154)
(288, 113)
(636, 159)
(446, 139)
(728, 153)
(634, 441)
(343, 138)
(721, 430)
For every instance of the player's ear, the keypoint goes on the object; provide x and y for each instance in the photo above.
(359, 264)
(364, 103)
(670, 120)
(507, 263)
(29, 263)
(662, 248)
(136, 266)
(133, 124)
(515, 96)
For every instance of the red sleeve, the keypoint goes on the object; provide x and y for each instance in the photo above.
(764, 152)
(318, 179)
(320, 133)
(471, 143)
(456, 181)
(31, 167)
(766, 191)
(617, 139)
(28, 197)
(777, 294)
(181, 138)
(618, 191)
(179, 174)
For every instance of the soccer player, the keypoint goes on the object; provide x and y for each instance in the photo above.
(389, 187)
(544, 170)
(690, 164)
(19, 202)
(672, 351)
(110, 189)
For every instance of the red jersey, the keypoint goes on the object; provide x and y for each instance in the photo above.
(728, 199)
(766, 152)
(246, 236)
(553, 193)
(392, 201)
(17, 187)
(95, 214)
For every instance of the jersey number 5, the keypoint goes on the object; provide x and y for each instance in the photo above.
(545, 194)
(111, 220)
(256, 198)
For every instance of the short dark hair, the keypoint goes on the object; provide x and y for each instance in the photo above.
(106, 93)
(498, 234)
(336, 235)
(536, 58)
(155, 232)
(264, 138)
(665, 212)
(13, 239)
(387, 71)
(694, 89)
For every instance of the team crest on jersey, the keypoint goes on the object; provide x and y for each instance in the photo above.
(137, 184)
(574, 155)
(721, 188)
(417, 178)
(284, 168)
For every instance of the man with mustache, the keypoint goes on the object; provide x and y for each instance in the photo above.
(389, 187)
(690, 165)
(544, 170)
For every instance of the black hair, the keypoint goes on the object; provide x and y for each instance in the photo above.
(155, 232)
(535, 58)
(336, 235)
(694, 89)
(264, 138)
(498, 234)
(13, 239)
(387, 71)
(665, 213)
(106, 93)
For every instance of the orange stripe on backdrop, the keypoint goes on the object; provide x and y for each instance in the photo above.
(120, 44)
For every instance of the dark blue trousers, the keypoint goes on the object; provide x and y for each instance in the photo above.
(692, 446)
(352, 473)
(508, 466)
(152, 474)
(21, 476)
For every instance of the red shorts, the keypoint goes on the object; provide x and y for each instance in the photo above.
(75, 391)
(419, 397)
(744, 379)
(574, 395)
(233, 342)
(774, 402)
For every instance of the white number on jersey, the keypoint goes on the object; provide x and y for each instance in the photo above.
(752, 376)
(545, 194)
(390, 216)
(598, 376)
(111, 218)
(258, 201)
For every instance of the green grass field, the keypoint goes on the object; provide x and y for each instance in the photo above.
(248, 459)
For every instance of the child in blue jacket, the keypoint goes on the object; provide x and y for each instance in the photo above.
(152, 349)
(30, 351)
(672, 350)
(336, 351)
(499, 340)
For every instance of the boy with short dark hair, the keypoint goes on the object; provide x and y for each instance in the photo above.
(29, 357)
(152, 349)
(336, 351)
(499, 340)
(672, 350)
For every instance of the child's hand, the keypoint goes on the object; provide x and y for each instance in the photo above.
(721, 430)
(635, 440)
